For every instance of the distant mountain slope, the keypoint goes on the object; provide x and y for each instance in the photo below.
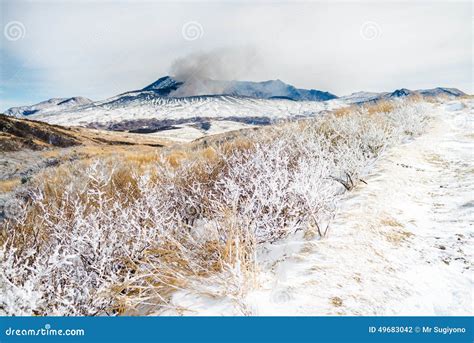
(441, 91)
(400, 93)
(164, 86)
(168, 86)
(361, 97)
(23, 133)
(17, 134)
(55, 104)
(149, 105)
(168, 99)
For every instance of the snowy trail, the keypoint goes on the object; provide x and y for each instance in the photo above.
(401, 245)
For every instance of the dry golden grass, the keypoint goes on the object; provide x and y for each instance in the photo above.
(390, 222)
(343, 111)
(174, 269)
(7, 186)
(382, 106)
(379, 107)
(204, 164)
(209, 154)
(176, 157)
(397, 236)
(142, 160)
(336, 301)
(240, 144)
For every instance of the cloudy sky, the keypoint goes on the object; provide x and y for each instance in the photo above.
(100, 48)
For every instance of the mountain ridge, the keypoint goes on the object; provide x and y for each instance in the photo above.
(172, 87)
(168, 87)
(50, 104)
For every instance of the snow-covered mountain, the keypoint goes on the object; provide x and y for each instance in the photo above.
(146, 105)
(168, 94)
(53, 105)
(168, 86)
(185, 118)
(434, 92)
(164, 86)
(193, 108)
(450, 92)
(361, 97)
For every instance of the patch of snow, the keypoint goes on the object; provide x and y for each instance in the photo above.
(189, 132)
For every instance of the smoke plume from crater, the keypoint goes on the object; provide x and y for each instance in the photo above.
(197, 70)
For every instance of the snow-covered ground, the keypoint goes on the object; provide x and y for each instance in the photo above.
(189, 132)
(180, 108)
(401, 245)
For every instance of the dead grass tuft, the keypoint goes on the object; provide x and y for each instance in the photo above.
(379, 107)
(344, 111)
(7, 186)
(176, 157)
(336, 301)
(390, 222)
(398, 236)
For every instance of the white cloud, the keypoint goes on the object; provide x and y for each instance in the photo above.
(98, 49)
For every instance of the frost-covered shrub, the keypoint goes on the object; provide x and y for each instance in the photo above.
(108, 238)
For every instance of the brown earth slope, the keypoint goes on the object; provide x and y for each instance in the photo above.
(28, 146)
(18, 134)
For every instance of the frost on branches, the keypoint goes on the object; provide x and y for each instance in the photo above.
(109, 238)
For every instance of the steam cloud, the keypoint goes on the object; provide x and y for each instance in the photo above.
(197, 70)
